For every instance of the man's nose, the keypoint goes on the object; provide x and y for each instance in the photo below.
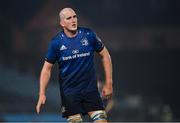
(73, 21)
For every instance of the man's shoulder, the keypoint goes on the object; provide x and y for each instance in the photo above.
(58, 37)
(85, 29)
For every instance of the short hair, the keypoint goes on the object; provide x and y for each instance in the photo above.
(61, 13)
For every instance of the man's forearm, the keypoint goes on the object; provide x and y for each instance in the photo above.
(108, 69)
(44, 79)
(107, 64)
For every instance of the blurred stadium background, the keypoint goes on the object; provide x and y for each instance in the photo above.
(143, 37)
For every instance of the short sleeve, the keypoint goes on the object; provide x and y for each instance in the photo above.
(98, 45)
(51, 55)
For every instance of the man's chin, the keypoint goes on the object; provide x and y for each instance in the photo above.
(73, 29)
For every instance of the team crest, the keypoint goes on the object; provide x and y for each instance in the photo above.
(84, 42)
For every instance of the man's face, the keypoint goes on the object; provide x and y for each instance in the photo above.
(70, 21)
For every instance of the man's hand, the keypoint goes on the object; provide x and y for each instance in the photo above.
(107, 91)
(41, 101)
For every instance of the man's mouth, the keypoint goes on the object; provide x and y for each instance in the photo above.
(74, 25)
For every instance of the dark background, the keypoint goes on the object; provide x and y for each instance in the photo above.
(143, 37)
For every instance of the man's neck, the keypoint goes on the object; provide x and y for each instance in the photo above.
(70, 34)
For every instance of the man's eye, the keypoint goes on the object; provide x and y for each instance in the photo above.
(75, 16)
(68, 18)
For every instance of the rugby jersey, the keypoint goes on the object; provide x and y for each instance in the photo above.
(75, 58)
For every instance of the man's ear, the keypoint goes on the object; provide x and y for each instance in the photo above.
(61, 23)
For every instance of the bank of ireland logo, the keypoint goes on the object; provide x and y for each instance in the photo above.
(84, 42)
(63, 47)
(75, 51)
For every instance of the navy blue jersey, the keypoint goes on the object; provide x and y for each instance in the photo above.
(75, 59)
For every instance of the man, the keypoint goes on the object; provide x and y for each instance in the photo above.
(73, 49)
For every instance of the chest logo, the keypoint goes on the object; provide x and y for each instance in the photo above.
(63, 47)
(84, 42)
(75, 51)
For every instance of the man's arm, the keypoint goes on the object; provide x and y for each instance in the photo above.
(107, 64)
(44, 79)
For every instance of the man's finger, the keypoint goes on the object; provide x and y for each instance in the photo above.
(109, 96)
(38, 108)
